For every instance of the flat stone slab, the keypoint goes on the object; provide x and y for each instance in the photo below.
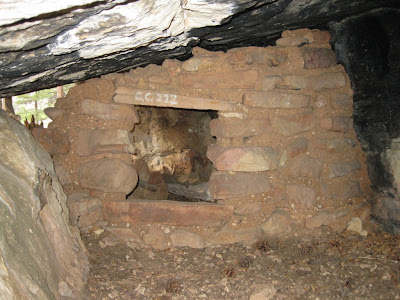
(166, 212)
(130, 95)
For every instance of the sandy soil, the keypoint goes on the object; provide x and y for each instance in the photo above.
(333, 266)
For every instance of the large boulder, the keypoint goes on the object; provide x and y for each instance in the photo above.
(41, 256)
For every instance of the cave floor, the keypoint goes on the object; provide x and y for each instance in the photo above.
(332, 266)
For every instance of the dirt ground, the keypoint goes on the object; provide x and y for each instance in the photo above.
(332, 266)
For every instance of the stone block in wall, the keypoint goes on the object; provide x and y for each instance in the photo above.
(298, 146)
(268, 57)
(248, 159)
(342, 100)
(156, 238)
(321, 36)
(160, 76)
(235, 128)
(108, 175)
(92, 141)
(110, 111)
(279, 222)
(270, 82)
(142, 169)
(303, 167)
(296, 41)
(331, 80)
(62, 173)
(247, 208)
(342, 190)
(294, 82)
(338, 124)
(53, 113)
(318, 58)
(102, 89)
(301, 32)
(183, 238)
(228, 236)
(275, 99)
(155, 188)
(320, 219)
(55, 141)
(342, 168)
(166, 212)
(301, 197)
(294, 124)
(229, 185)
(232, 80)
(333, 146)
(64, 103)
(196, 64)
(84, 210)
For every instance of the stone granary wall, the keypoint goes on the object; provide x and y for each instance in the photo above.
(286, 159)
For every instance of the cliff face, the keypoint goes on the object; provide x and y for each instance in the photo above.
(41, 256)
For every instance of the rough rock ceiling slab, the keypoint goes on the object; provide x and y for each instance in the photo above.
(44, 43)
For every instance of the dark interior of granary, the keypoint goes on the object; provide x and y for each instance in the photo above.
(240, 149)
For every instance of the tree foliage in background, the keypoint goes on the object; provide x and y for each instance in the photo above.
(34, 103)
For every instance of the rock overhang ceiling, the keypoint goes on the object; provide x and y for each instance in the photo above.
(46, 43)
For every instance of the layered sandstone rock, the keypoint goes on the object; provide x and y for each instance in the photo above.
(41, 255)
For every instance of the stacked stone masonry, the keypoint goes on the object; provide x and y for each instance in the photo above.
(286, 158)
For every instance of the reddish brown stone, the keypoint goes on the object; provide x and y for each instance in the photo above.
(342, 190)
(227, 236)
(247, 208)
(156, 238)
(103, 89)
(248, 159)
(298, 146)
(84, 210)
(342, 168)
(294, 124)
(321, 36)
(109, 111)
(109, 175)
(318, 58)
(270, 82)
(233, 80)
(335, 145)
(296, 41)
(334, 80)
(183, 238)
(53, 113)
(279, 222)
(339, 124)
(302, 197)
(160, 79)
(302, 32)
(142, 169)
(304, 167)
(275, 99)
(233, 127)
(64, 103)
(225, 185)
(294, 82)
(53, 140)
(62, 173)
(320, 219)
(91, 141)
(166, 212)
(198, 63)
(342, 100)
